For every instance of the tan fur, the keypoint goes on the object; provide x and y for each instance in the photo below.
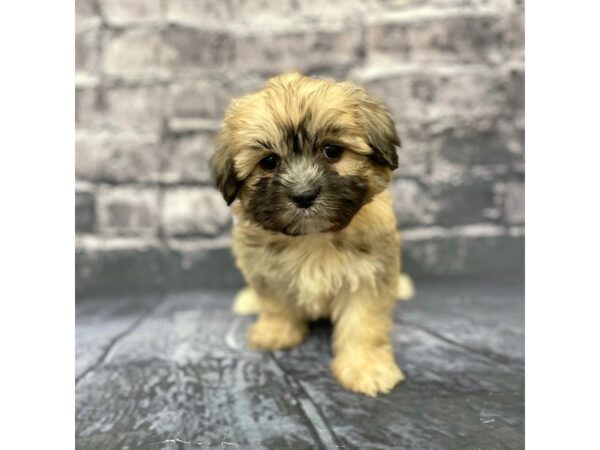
(406, 288)
(352, 275)
(313, 279)
(246, 301)
(255, 116)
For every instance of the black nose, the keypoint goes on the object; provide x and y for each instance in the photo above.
(305, 199)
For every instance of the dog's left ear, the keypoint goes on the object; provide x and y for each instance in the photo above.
(221, 167)
(380, 131)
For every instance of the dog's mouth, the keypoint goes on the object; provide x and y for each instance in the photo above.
(308, 225)
(310, 222)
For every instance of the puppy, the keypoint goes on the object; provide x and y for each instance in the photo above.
(305, 164)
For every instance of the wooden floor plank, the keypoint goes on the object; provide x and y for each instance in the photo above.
(182, 377)
(100, 322)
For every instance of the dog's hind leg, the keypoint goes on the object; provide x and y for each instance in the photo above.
(406, 288)
(246, 302)
(279, 325)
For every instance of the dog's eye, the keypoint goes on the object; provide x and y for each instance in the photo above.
(269, 162)
(332, 152)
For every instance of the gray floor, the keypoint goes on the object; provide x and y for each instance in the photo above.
(170, 371)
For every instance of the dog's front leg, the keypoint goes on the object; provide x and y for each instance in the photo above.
(363, 355)
(279, 324)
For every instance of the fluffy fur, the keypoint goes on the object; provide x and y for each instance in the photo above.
(335, 252)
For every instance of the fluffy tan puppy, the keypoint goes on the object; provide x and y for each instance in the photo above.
(305, 164)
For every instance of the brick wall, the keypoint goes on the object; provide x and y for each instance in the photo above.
(153, 78)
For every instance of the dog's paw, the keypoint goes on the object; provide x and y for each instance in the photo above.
(367, 373)
(275, 334)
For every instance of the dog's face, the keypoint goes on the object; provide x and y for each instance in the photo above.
(303, 155)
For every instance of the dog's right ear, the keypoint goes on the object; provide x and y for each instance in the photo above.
(223, 172)
(381, 132)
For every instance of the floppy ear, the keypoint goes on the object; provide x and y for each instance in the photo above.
(221, 167)
(380, 131)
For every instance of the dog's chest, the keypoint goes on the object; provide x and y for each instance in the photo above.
(314, 270)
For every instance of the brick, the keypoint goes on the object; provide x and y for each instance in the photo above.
(203, 12)
(187, 159)
(435, 36)
(197, 99)
(265, 11)
(468, 202)
(201, 262)
(119, 264)
(85, 211)
(468, 250)
(516, 90)
(440, 92)
(194, 211)
(86, 105)
(87, 48)
(199, 12)
(412, 204)
(128, 211)
(84, 9)
(247, 82)
(516, 24)
(414, 153)
(482, 148)
(189, 49)
(86, 14)
(186, 125)
(125, 264)
(124, 12)
(117, 158)
(138, 108)
(512, 198)
(474, 146)
(121, 108)
(133, 53)
(448, 151)
(473, 5)
(306, 51)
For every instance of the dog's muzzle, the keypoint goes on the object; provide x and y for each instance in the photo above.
(305, 199)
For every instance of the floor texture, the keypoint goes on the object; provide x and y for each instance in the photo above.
(170, 371)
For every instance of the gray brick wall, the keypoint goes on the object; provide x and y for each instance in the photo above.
(153, 78)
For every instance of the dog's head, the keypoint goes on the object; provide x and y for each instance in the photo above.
(303, 155)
